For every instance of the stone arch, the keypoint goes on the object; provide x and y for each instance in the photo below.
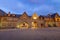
(22, 25)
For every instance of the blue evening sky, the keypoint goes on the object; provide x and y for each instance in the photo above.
(41, 7)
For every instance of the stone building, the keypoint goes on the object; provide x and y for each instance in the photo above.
(9, 20)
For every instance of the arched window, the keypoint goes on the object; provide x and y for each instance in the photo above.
(34, 16)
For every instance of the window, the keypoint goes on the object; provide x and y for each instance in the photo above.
(57, 19)
(34, 17)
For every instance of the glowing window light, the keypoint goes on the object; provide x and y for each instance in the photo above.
(17, 26)
(34, 17)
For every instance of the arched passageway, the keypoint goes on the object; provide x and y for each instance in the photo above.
(23, 25)
(34, 25)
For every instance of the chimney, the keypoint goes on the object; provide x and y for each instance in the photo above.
(8, 13)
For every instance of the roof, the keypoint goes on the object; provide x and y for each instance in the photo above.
(2, 13)
(53, 15)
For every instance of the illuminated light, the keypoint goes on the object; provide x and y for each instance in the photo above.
(18, 26)
(23, 25)
(33, 27)
(34, 17)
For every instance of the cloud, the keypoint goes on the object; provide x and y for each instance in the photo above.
(24, 6)
(56, 1)
(4, 9)
(20, 5)
(34, 1)
(37, 1)
(43, 7)
(8, 4)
